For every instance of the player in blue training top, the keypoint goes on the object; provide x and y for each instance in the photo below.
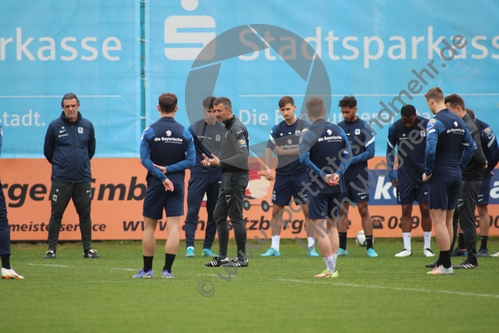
(7, 272)
(166, 150)
(325, 152)
(289, 174)
(446, 133)
(491, 151)
(409, 136)
(207, 134)
(361, 141)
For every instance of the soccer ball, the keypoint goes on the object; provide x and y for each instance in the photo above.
(361, 238)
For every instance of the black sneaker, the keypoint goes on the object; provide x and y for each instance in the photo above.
(49, 255)
(465, 265)
(217, 262)
(91, 254)
(236, 262)
(432, 265)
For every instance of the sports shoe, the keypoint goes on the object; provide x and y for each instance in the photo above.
(404, 253)
(428, 252)
(271, 252)
(371, 253)
(495, 254)
(236, 262)
(432, 265)
(327, 274)
(459, 252)
(190, 252)
(312, 252)
(217, 262)
(482, 253)
(167, 275)
(207, 253)
(49, 255)
(342, 253)
(11, 274)
(91, 254)
(144, 275)
(441, 270)
(465, 265)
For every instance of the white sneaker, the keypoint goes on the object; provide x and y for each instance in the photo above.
(428, 252)
(404, 253)
(11, 274)
(441, 270)
(495, 254)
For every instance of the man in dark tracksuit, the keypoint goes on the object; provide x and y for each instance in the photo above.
(233, 162)
(470, 185)
(207, 134)
(7, 272)
(69, 146)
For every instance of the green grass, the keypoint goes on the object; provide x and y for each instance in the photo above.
(385, 294)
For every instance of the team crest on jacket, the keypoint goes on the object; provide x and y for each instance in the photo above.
(80, 130)
(357, 131)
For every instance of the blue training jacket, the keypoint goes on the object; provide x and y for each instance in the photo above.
(69, 148)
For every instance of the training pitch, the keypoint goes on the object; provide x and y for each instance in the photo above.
(276, 294)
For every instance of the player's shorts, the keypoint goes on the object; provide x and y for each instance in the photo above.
(443, 193)
(484, 194)
(285, 187)
(355, 195)
(158, 199)
(408, 193)
(324, 204)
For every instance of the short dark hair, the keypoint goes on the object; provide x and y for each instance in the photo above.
(408, 110)
(435, 94)
(315, 106)
(70, 96)
(471, 113)
(455, 100)
(348, 101)
(286, 100)
(167, 102)
(223, 100)
(208, 102)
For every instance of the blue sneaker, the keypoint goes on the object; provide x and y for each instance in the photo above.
(144, 275)
(190, 252)
(371, 253)
(312, 252)
(342, 253)
(208, 253)
(459, 252)
(167, 275)
(271, 253)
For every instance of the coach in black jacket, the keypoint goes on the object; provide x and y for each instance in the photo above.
(233, 162)
(69, 146)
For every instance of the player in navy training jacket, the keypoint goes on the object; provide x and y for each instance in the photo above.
(325, 152)
(7, 272)
(409, 136)
(289, 174)
(491, 151)
(446, 133)
(166, 150)
(361, 141)
(207, 134)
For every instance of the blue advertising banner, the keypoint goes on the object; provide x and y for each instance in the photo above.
(373, 50)
(50, 48)
(384, 53)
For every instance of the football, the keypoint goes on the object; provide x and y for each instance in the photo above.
(361, 238)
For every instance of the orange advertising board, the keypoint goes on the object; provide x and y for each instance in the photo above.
(119, 188)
